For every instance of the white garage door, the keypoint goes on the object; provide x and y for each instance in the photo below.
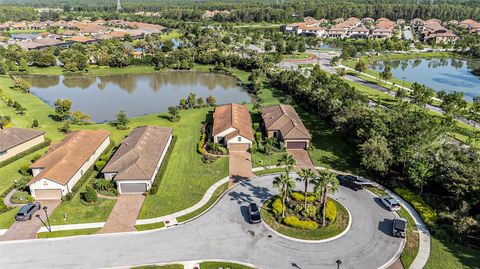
(133, 188)
(51, 194)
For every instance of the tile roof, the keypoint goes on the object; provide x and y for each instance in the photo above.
(139, 153)
(12, 137)
(232, 116)
(64, 159)
(285, 119)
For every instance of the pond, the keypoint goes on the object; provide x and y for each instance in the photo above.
(448, 74)
(103, 96)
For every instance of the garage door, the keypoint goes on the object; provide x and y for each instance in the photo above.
(296, 145)
(133, 187)
(52, 194)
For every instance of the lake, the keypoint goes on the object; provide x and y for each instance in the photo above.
(103, 96)
(438, 73)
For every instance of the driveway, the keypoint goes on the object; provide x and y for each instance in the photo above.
(221, 233)
(28, 229)
(240, 163)
(303, 159)
(124, 214)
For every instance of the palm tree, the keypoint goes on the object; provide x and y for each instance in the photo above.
(284, 183)
(306, 175)
(268, 147)
(325, 183)
(288, 161)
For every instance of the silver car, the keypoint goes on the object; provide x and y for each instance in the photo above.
(390, 203)
(27, 211)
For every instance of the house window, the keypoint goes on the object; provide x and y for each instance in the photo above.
(3, 153)
(239, 139)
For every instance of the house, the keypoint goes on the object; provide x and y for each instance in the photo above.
(359, 32)
(337, 32)
(55, 173)
(381, 33)
(232, 125)
(81, 39)
(316, 31)
(442, 36)
(282, 122)
(135, 164)
(16, 140)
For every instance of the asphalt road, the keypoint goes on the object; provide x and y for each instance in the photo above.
(222, 233)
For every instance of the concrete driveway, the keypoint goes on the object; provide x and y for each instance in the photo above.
(303, 159)
(240, 163)
(221, 233)
(124, 214)
(28, 229)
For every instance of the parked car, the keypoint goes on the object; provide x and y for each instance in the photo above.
(352, 182)
(27, 211)
(390, 203)
(253, 213)
(399, 227)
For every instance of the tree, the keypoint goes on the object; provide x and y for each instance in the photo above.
(268, 46)
(421, 95)
(419, 171)
(326, 182)
(62, 109)
(122, 120)
(35, 123)
(211, 101)
(306, 175)
(23, 66)
(284, 184)
(192, 100)
(90, 195)
(360, 66)
(3, 68)
(386, 74)
(288, 161)
(453, 104)
(183, 103)
(401, 94)
(80, 118)
(341, 72)
(375, 154)
(173, 111)
(280, 46)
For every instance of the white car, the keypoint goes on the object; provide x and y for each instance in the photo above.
(390, 203)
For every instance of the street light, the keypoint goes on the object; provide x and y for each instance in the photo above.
(48, 220)
(338, 263)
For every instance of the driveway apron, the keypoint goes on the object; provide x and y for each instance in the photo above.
(124, 214)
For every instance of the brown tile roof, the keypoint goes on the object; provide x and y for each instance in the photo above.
(12, 137)
(81, 39)
(232, 116)
(64, 159)
(285, 119)
(139, 153)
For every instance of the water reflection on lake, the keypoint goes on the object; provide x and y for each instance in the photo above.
(103, 96)
(439, 74)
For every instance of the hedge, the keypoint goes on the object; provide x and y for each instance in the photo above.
(31, 150)
(427, 213)
(200, 148)
(277, 206)
(294, 222)
(163, 167)
(299, 197)
(330, 211)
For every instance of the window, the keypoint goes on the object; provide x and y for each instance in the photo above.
(239, 139)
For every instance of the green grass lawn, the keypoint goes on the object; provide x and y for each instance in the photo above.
(171, 35)
(269, 171)
(68, 233)
(8, 218)
(151, 226)
(449, 255)
(218, 192)
(410, 250)
(217, 265)
(297, 56)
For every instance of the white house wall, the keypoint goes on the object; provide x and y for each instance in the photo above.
(22, 147)
(46, 184)
(243, 140)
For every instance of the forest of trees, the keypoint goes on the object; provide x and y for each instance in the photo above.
(266, 11)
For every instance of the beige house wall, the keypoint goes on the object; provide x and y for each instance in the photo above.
(22, 147)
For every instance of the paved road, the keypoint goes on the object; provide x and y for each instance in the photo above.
(221, 233)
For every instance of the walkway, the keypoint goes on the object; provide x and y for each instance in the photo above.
(240, 163)
(7, 201)
(223, 232)
(28, 229)
(124, 214)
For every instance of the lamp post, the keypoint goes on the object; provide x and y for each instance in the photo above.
(48, 220)
(338, 263)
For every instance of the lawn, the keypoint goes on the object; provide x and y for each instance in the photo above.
(450, 255)
(167, 266)
(297, 56)
(68, 233)
(269, 171)
(218, 192)
(8, 218)
(151, 226)
(217, 265)
(338, 226)
(410, 250)
(171, 35)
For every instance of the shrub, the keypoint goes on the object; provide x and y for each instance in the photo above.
(21, 184)
(24, 170)
(427, 213)
(99, 165)
(294, 222)
(90, 195)
(277, 207)
(310, 211)
(299, 197)
(200, 148)
(330, 211)
(153, 189)
(69, 196)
